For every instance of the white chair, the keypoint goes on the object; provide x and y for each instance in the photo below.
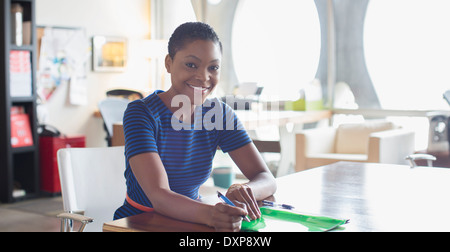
(92, 185)
(372, 141)
(112, 110)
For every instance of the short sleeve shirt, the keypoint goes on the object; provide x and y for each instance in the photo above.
(186, 149)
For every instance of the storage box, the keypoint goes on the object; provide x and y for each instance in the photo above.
(48, 147)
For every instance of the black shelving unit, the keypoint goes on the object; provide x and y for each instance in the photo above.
(19, 166)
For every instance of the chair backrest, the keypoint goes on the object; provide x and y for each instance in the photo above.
(93, 182)
(112, 110)
(353, 138)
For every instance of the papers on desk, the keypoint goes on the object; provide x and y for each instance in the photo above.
(282, 218)
(278, 220)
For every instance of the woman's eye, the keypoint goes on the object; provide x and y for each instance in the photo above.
(191, 65)
(214, 68)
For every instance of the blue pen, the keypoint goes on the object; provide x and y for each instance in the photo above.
(273, 204)
(227, 201)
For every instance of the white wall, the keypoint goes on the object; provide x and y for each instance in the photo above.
(127, 18)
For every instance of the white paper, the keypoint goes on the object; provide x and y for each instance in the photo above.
(78, 91)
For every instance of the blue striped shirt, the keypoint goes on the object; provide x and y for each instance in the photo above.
(186, 149)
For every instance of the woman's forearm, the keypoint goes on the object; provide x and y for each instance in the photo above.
(168, 203)
(221, 216)
(250, 162)
(263, 185)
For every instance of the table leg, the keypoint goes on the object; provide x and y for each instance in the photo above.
(287, 142)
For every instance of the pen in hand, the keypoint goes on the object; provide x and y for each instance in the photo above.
(227, 201)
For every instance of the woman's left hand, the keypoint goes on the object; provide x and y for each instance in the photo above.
(243, 194)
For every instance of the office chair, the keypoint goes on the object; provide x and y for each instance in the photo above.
(112, 110)
(441, 119)
(447, 98)
(92, 184)
(125, 93)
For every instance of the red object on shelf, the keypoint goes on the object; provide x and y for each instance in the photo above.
(20, 131)
(48, 147)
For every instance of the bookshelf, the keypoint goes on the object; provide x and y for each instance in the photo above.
(19, 158)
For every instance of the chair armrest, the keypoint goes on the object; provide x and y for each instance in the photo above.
(391, 146)
(413, 157)
(74, 217)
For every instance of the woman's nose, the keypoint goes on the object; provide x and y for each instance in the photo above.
(202, 75)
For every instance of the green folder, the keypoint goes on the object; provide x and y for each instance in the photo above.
(277, 220)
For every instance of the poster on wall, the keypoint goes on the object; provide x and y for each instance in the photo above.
(63, 57)
(109, 54)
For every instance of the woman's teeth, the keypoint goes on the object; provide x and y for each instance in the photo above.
(202, 89)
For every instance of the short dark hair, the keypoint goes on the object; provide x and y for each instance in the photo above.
(189, 32)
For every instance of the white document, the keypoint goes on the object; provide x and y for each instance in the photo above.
(78, 91)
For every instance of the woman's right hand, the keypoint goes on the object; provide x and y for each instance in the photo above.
(226, 218)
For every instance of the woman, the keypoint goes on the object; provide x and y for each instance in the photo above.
(171, 138)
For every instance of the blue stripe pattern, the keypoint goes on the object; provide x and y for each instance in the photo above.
(187, 153)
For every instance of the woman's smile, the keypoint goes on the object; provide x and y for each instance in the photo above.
(204, 90)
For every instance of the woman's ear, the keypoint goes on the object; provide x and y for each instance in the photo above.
(168, 63)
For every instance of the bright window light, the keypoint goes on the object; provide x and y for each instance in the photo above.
(214, 2)
(276, 44)
(407, 49)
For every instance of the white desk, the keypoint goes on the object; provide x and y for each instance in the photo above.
(375, 197)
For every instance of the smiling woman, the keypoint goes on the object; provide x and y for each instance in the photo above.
(167, 165)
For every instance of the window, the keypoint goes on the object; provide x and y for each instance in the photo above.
(407, 49)
(276, 44)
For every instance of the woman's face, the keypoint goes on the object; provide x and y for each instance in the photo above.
(195, 70)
